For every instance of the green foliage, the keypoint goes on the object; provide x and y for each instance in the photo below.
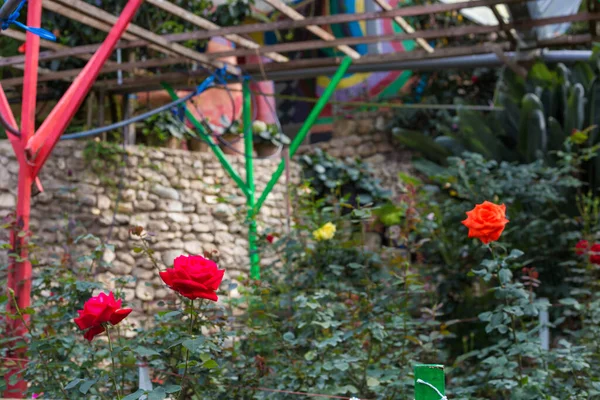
(335, 318)
(535, 196)
(539, 114)
(65, 365)
(104, 159)
(269, 134)
(348, 179)
(158, 128)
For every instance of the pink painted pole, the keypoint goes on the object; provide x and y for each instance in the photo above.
(19, 270)
(40, 146)
(264, 105)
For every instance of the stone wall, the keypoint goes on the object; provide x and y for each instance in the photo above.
(185, 199)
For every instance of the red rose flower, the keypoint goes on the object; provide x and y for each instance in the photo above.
(486, 221)
(98, 311)
(194, 277)
(595, 254)
(581, 247)
(270, 238)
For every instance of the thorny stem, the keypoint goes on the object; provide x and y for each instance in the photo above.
(148, 252)
(42, 357)
(187, 352)
(512, 323)
(112, 357)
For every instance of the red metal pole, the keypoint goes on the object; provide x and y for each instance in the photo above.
(41, 144)
(19, 272)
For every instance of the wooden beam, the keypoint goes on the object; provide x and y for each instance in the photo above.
(323, 62)
(316, 30)
(81, 52)
(57, 47)
(184, 78)
(208, 25)
(405, 25)
(565, 40)
(510, 33)
(89, 21)
(427, 34)
(63, 51)
(82, 8)
(130, 66)
(510, 63)
(344, 18)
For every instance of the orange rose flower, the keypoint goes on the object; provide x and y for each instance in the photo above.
(486, 221)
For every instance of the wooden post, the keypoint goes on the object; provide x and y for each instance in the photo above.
(130, 129)
(430, 382)
(90, 110)
(101, 105)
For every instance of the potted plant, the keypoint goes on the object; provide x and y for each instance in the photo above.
(230, 136)
(165, 129)
(268, 138)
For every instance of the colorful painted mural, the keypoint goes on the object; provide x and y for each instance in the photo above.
(365, 86)
(354, 87)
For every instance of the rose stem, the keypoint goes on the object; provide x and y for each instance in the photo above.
(112, 357)
(187, 351)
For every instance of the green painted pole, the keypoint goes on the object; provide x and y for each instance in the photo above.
(247, 120)
(308, 124)
(208, 139)
(430, 382)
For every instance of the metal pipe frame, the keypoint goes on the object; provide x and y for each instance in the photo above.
(248, 187)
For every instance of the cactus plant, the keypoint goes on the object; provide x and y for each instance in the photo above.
(539, 114)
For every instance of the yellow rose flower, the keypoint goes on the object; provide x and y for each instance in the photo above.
(326, 232)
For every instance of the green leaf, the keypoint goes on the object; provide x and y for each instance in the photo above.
(87, 384)
(73, 383)
(193, 344)
(210, 364)
(288, 336)
(372, 382)
(171, 314)
(172, 388)
(145, 351)
(514, 254)
(569, 301)
(542, 74)
(505, 276)
(136, 395)
(157, 394)
(417, 141)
